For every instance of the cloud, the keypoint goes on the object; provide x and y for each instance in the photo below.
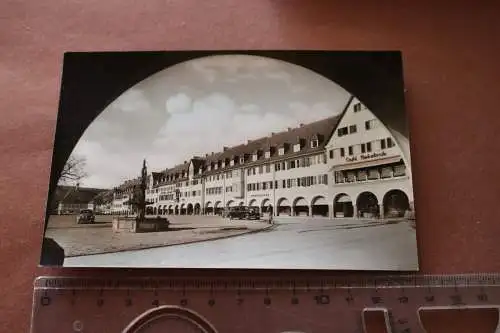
(133, 100)
(199, 107)
(179, 103)
(250, 108)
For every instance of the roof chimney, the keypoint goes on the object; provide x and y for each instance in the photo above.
(206, 155)
(272, 133)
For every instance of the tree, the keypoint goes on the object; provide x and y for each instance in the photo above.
(73, 170)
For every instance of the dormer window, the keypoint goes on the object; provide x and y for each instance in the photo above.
(268, 153)
(223, 164)
(209, 167)
(296, 147)
(231, 162)
(255, 156)
(216, 166)
(314, 143)
(281, 151)
(242, 160)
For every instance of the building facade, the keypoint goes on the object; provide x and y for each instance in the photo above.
(348, 165)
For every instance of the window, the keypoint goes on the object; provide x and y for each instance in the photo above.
(370, 124)
(351, 151)
(342, 152)
(258, 186)
(264, 185)
(353, 129)
(363, 148)
(288, 183)
(357, 107)
(253, 170)
(296, 147)
(284, 184)
(271, 185)
(268, 168)
(314, 143)
(281, 151)
(339, 177)
(399, 170)
(291, 165)
(382, 144)
(368, 147)
(362, 175)
(342, 131)
(331, 153)
(390, 143)
(267, 154)
(249, 187)
(386, 172)
(351, 177)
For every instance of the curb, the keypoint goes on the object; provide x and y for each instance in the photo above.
(267, 228)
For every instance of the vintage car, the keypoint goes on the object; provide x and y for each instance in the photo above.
(242, 212)
(85, 216)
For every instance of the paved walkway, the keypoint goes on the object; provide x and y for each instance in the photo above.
(302, 243)
(86, 239)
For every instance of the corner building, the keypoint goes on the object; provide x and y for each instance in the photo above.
(343, 166)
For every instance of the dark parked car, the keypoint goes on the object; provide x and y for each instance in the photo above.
(85, 216)
(246, 213)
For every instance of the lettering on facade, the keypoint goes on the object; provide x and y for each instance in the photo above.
(372, 155)
(259, 195)
(364, 157)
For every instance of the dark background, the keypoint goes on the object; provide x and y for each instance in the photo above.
(92, 80)
(451, 69)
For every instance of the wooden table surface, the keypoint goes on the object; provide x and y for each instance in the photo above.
(451, 70)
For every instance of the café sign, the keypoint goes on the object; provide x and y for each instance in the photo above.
(364, 157)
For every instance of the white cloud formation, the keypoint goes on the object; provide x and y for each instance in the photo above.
(179, 103)
(133, 101)
(198, 107)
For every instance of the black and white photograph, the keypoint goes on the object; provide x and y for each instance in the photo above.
(233, 160)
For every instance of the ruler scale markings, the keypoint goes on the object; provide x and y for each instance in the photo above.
(402, 297)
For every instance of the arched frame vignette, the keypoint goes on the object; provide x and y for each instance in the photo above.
(358, 72)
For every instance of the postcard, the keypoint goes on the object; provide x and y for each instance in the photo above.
(232, 159)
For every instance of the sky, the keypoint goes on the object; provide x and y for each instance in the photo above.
(198, 107)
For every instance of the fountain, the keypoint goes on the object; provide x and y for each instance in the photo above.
(140, 222)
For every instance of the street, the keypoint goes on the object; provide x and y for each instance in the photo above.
(295, 243)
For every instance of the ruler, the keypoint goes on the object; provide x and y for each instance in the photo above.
(242, 304)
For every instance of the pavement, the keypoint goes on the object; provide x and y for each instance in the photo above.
(98, 238)
(293, 243)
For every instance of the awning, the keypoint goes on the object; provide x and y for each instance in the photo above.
(366, 164)
(344, 198)
(320, 201)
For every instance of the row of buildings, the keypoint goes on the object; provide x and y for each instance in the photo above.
(348, 165)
